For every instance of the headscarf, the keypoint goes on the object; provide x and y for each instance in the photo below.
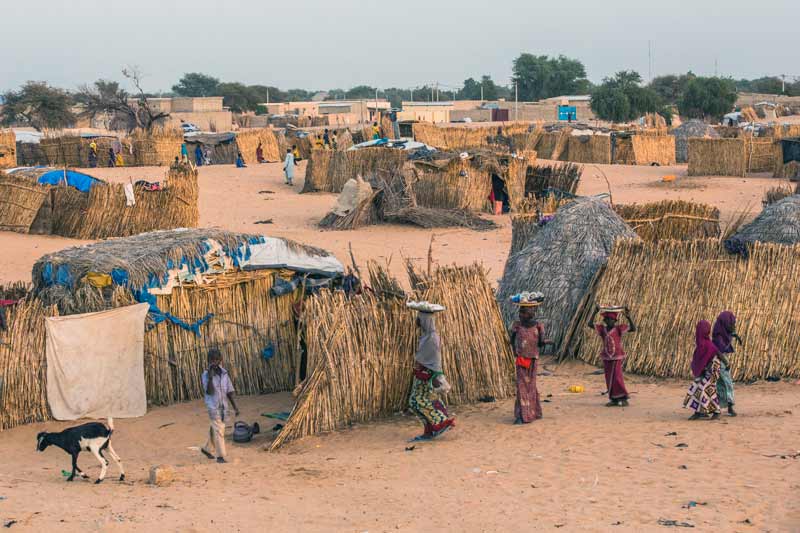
(721, 334)
(429, 353)
(704, 350)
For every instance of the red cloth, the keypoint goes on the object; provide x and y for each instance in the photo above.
(526, 342)
(615, 382)
(612, 341)
(704, 350)
(6, 303)
(527, 406)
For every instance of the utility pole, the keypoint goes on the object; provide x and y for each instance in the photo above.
(412, 94)
(715, 67)
(783, 83)
(481, 91)
(267, 95)
(516, 101)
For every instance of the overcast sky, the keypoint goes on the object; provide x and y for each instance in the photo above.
(316, 44)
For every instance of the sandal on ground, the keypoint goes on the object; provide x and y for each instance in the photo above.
(207, 453)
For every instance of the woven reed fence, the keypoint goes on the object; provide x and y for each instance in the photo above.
(516, 176)
(246, 320)
(361, 350)
(653, 149)
(547, 143)
(30, 155)
(8, 149)
(103, 212)
(73, 151)
(159, 147)
(329, 170)
(588, 149)
(460, 185)
(717, 157)
(671, 285)
(247, 143)
(622, 150)
(23, 397)
(671, 219)
(461, 138)
(20, 200)
(763, 154)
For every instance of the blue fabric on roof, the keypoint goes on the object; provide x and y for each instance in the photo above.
(47, 274)
(158, 316)
(63, 276)
(120, 276)
(82, 182)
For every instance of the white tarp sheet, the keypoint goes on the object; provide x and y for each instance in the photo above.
(276, 253)
(95, 364)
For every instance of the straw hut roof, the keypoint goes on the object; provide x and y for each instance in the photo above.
(778, 223)
(561, 261)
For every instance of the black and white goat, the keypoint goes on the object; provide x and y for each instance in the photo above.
(93, 437)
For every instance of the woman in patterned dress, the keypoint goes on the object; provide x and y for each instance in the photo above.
(429, 382)
(702, 394)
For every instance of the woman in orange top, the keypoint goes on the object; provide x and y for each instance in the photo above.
(527, 337)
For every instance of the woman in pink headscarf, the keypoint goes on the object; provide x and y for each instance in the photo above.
(702, 396)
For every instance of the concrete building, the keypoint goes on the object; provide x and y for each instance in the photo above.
(338, 112)
(207, 113)
(550, 110)
(435, 112)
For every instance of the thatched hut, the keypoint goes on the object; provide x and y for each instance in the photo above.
(467, 138)
(205, 288)
(363, 347)
(221, 147)
(687, 130)
(588, 149)
(73, 150)
(671, 285)
(561, 260)
(158, 147)
(74, 204)
(328, 170)
(778, 223)
(671, 219)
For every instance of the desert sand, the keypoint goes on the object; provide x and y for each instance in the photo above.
(584, 467)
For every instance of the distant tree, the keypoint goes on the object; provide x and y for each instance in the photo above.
(196, 84)
(298, 95)
(472, 89)
(670, 87)
(621, 98)
(38, 105)
(107, 97)
(708, 98)
(237, 96)
(539, 77)
(360, 92)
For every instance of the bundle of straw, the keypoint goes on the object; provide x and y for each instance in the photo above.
(588, 149)
(158, 147)
(8, 149)
(247, 143)
(671, 285)
(653, 149)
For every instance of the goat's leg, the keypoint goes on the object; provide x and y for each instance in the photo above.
(117, 460)
(74, 466)
(84, 476)
(103, 464)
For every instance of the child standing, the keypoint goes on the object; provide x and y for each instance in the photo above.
(613, 354)
(527, 337)
(218, 391)
(288, 166)
(722, 335)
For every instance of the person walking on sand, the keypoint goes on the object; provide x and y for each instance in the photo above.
(288, 167)
(702, 395)
(429, 381)
(613, 354)
(260, 153)
(527, 337)
(92, 154)
(217, 392)
(722, 335)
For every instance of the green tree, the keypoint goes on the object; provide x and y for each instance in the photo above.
(196, 84)
(621, 98)
(298, 95)
(472, 89)
(708, 98)
(237, 96)
(670, 88)
(539, 77)
(38, 105)
(360, 92)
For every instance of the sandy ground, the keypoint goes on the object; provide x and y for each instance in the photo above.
(584, 467)
(233, 199)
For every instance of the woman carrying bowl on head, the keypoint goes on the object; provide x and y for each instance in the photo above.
(613, 354)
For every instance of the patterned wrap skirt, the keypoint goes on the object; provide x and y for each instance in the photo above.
(702, 395)
(430, 410)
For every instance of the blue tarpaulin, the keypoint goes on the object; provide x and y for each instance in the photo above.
(82, 182)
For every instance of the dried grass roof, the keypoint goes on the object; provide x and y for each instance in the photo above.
(561, 261)
(778, 223)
